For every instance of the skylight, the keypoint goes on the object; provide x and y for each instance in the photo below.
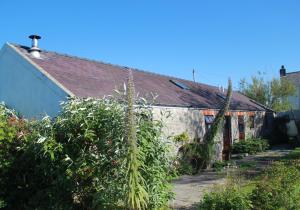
(180, 84)
(221, 96)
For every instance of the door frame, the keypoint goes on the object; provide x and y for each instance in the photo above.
(227, 138)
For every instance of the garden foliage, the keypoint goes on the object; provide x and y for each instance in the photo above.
(230, 197)
(182, 138)
(137, 196)
(79, 159)
(278, 188)
(272, 93)
(209, 138)
(197, 155)
(251, 146)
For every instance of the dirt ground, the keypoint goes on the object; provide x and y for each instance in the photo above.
(190, 189)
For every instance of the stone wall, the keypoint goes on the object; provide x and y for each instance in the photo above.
(178, 120)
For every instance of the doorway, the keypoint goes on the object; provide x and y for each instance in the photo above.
(226, 138)
(241, 125)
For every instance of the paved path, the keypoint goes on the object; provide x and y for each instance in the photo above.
(190, 189)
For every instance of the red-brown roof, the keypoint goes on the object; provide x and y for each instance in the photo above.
(87, 78)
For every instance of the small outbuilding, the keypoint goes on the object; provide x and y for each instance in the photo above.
(35, 81)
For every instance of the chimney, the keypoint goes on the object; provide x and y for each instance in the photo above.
(35, 50)
(282, 71)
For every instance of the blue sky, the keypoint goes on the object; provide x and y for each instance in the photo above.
(219, 39)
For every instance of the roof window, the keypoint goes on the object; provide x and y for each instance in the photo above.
(180, 84)
(221, 96)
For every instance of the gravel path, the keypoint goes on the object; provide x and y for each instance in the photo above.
(190, 189)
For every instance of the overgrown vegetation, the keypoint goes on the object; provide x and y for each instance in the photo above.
(137, 196)
(197, 155)
(80, 160)
(182, 138)
(278, 187)
(209, 137)
(273, 94)
(250, 146)
(190, 158)
(229, 197)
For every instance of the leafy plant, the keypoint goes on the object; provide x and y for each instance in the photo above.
(196, 155)
(278, 188)
(190, 158)
(273, 94)
(182, 138)
(251, 146)
(212, 132)
(137, 196)
(229, 197)
(78, 160)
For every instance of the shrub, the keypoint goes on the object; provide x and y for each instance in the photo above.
(182, 138)
(12, 142)
(76, 161)
(279, 188)
(229, 197)
(251, 146)
(190, 158)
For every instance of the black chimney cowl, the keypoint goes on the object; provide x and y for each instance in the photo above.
(282, 71)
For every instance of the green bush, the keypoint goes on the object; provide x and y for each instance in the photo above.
(229, 197)
(251, 146)
(182, 138)
(77, 161)
(12, 131)
(279, 188)
(190, 158)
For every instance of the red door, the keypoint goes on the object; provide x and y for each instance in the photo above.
(241, 125)
(226, 138)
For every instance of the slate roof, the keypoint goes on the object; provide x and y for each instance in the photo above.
(88, 78)
(294, 77)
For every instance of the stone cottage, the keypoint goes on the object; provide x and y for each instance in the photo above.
(35, 81)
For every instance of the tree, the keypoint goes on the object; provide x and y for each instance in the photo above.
(212, 132)
(273, 94)
(197, 155)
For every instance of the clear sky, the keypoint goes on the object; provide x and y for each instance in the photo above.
(219, 39)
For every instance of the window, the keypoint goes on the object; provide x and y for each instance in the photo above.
(180, 84)
(251, 122)
(221, 96)
(209, 119)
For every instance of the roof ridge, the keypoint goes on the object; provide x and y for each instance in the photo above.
(117, 65)
(292, 72)
(254, 101)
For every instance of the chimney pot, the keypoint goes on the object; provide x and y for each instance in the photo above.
(282, 71)
(35, 50)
